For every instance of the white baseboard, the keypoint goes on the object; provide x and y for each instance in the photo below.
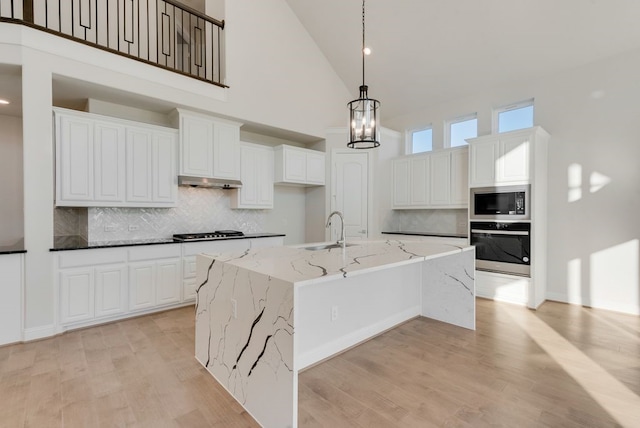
(37, 333)
(626, 308)
(354, 338)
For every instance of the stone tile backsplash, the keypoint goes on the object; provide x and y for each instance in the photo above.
(441, 221)
(198, 210)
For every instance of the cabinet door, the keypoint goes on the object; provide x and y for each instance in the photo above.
(110, 290)
(265, 178)
(165, 184)
(249, 163)
(77, 301)
(139, 165)
(11, 267)
(315, 166)
(74, 160)
(226, 151)
(513, 164)
(460, 177)
(419, 181)
(440, 178)
(196, 146)
(109, 162)
(484, 156)
(142, 290)
(401, 182)
(168, 280)
(189, 289)
(295, 165)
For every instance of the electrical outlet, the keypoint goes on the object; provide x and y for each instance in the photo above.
(234, 308)
(110, 228)
(133, 227)
(334, 313)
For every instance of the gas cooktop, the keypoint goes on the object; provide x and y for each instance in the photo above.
(207, 236)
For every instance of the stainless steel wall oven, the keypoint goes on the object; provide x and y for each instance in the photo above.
(502, 246)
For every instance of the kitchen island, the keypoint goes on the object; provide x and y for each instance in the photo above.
(250, 304)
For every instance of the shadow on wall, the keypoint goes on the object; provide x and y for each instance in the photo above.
(606, 278)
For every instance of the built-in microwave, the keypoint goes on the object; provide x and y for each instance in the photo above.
(500, 203)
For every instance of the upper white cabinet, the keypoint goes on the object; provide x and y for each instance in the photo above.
(298, 166)
(506, 158)
(256, 174)
(108, 162)
(431, 180)
(209, 146)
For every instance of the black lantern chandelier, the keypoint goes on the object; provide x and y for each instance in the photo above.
(364, 126)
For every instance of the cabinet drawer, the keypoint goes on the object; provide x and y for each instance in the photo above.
(68, 259)
(154, 252)
(215, 247)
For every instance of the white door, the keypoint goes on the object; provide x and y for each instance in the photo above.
(168, 281)
(74, 155)
(109, 162)
(76, 295)
(165, 186)
(139, 165)
(226, 151)
(142, 289)
(351, 194)
(440, 180)
(110, 290)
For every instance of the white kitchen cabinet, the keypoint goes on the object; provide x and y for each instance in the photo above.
(151, 173)
(504, 159)
(154, 276)
(76, 295)
(209, 146)
(298, 166)
(440, 178)
(256, 174)
(92, 284)
(109, 162)
(164, 177)
(431, 180)
(139, 165)
(74, 159)
(460, 177)
(191, 249)
(110, 290)
(196, 145)
(11, 273)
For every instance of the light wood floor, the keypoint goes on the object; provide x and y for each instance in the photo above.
(560, 366)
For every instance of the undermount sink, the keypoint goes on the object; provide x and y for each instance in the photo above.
(327, 246)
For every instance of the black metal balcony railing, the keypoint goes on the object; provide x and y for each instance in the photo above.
(162, 33)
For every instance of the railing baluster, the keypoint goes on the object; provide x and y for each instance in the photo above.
(200, 53)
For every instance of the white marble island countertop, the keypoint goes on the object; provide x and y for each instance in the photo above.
(300, 266)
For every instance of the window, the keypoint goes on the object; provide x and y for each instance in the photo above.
(461, 128)
(422, 140)
(514, 116)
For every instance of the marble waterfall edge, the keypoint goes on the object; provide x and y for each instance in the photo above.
(244, 338)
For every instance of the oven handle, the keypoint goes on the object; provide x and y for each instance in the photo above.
(500, 232)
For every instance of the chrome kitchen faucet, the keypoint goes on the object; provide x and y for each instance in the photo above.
(342, 241)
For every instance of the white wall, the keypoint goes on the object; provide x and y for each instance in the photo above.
(592, 115)
(277, 74)
(11, 202)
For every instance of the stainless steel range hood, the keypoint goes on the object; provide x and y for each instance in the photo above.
(220, 183)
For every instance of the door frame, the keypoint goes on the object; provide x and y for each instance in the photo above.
(332, 191)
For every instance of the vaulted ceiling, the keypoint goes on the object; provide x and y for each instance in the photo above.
(429, 51)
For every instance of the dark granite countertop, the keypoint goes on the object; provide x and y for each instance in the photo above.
(67, 243)
(435, 234)
(16, 248)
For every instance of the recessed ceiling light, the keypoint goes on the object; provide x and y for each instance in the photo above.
(3, 101)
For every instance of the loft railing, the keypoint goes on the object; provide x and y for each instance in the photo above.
(162, 33)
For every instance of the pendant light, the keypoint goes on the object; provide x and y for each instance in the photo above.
(364, 126)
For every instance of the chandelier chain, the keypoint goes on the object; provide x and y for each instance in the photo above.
(363, 43)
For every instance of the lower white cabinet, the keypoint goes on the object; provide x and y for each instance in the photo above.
(154, 283)
(110, 290)
(76, 295)
(11, 279)
(105, 284)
